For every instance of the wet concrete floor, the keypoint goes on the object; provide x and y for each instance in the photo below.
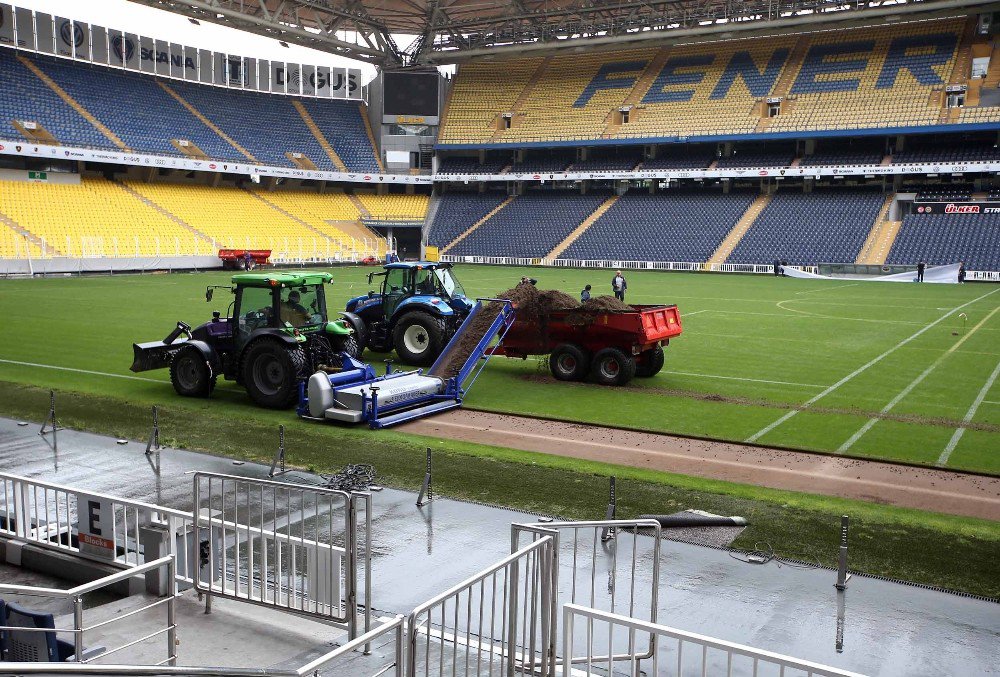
(888, 628)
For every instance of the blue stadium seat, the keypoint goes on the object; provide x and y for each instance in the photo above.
(940, 239)
(456, 212)
(681, 226)
(810, 228)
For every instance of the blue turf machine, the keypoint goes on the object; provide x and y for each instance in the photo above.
(354, 393)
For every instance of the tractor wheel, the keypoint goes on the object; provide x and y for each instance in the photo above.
(190, 373)
(419, 338)
(569, 362)
(612, 367)
(271, 373)
(651, 364)
(348, 344)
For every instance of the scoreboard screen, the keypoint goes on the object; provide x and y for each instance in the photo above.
(410, 94)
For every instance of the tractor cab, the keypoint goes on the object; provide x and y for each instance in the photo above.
(418, 307)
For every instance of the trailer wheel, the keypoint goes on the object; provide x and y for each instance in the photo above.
(190, 374)
(569, 362)
(419, 338)
(271, 373)
(651, 364)
(612, 367)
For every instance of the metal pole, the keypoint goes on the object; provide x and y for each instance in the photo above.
(609, 532)
(154, 436)
(171, 612)
(51, 418)
(842, 575)
(78, 629)
(279, 456)
(427, 490)
(351, 546)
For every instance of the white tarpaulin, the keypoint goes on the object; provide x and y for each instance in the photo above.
(938, 275)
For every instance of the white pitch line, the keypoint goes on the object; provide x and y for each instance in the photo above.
(913, 384)
(707, 310)
(740, 378)
(839, 286)
(953, 442)
(81, 371)
(863, 368)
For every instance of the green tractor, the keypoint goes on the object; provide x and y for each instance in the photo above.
(275, 334)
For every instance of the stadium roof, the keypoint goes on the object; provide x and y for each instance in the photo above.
(448, 31)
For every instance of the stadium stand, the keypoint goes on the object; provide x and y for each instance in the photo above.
(146, 117)
(810, 228)
(673, 226)
(695, 157)
(756, 159)
(945, 194)
(537, 162)
(96, 217)
(608, 160)
(952, 151)
(344, 127)
(834, 80)
(467, 165)
(149, 120)
(34, 102)
(530, 226)
(847, 156)
(940, 239)
(395, 207)
(457, 212)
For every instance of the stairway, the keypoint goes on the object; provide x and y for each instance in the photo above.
(792, 67)
(371, 136)
(362, 230)
(170, 215)
(582, 228)
(320, 138)
(992, 78)
(289, 215)
(883, 243)
(73, 103)
(525, 93)
(739, 230)
(29, 236)
(869, 248)
(475, 225)
(962, 69)
(205, 121)
(639, 89)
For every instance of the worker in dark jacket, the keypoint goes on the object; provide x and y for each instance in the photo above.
(619, 285)
(920, 271)
(961, 272)
(585, 294)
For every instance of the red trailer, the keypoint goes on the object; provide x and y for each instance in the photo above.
(235, 259)
(611, 347)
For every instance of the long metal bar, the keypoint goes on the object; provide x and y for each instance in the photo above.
(572, 611)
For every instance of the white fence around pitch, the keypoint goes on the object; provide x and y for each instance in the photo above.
(92, 525)
(674, 652)
(293, 249)
(610, 264)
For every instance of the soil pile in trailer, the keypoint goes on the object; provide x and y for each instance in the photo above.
(532, 307)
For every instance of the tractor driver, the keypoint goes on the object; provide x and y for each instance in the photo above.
(292, 311)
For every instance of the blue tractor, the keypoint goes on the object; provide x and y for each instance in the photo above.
(419, 308)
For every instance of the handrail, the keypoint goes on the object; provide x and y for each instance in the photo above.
(309, 668)
(570, 610)
(88, 587)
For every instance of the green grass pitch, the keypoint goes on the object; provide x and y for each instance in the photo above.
(871, 369)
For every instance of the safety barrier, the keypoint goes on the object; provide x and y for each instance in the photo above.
(674, 652)
(597, 563)
(288, 546)
(497, 620)
(80, 629)
(92, 525)
(756, 268)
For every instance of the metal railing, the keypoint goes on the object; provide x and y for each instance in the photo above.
(80, 628)
(756, 268)
(495, 622)
(288, 546)
(674, 652)
(48, 515)
(599, 563)
(326, 664)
